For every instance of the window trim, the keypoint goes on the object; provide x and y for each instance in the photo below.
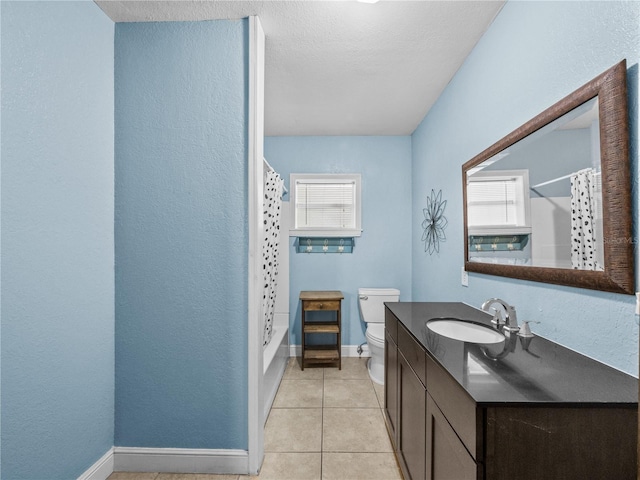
(355, 178)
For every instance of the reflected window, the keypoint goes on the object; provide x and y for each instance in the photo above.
(498, 200)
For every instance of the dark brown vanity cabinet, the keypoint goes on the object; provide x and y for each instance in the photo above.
(440, 432)
(412, 409)
(448, 458)
(426, 445)
(405, 400)
(391, 384)
(454, 429)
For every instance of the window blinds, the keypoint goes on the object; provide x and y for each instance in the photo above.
(325, 205)
(496, 202)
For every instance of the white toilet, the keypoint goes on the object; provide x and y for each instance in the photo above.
(371, 301)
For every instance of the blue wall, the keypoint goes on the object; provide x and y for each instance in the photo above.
(534, 54)
(57, 238)
(382, 255)
(181, 234)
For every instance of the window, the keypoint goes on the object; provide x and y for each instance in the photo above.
(326, 205)
(498, 201)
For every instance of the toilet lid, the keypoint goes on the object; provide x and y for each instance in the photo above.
(376, 330)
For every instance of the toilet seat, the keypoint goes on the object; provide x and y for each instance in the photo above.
(375, 332)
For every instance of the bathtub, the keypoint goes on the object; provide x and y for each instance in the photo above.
(276, 357)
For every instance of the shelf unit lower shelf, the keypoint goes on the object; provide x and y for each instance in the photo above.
(321, 328)
(321, 353)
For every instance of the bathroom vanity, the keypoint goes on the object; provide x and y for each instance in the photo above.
(454, 411)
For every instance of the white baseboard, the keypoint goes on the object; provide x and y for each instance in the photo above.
(347, 351)
(168, 460)
(183, 460)
(101, 469)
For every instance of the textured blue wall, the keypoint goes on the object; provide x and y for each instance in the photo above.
(382, 255)
(57, 238)
(534, 54)
(181, 235)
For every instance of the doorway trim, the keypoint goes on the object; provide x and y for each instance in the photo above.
(255, 389)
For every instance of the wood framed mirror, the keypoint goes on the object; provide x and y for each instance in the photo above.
(551, 201)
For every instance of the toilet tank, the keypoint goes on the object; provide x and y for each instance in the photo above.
(371, 301)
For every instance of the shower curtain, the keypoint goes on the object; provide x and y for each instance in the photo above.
(272, 203)
(583, 209)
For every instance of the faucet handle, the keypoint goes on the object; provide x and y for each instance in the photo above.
(525, 331)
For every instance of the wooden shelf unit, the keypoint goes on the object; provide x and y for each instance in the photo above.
(316, 301)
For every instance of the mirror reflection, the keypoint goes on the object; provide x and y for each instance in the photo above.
(539, 202)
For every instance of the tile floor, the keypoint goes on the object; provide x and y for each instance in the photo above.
(325, 424)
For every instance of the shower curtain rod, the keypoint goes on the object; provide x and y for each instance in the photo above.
(268, 165)
(557, 180)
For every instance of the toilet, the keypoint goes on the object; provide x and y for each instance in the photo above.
(371, 302)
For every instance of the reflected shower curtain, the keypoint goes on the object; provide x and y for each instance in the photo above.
(272, 204)
(583, 209)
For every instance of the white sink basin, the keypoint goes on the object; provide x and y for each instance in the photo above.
(465, 331)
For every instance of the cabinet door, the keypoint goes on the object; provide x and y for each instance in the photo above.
(391, 387)
(412, 398)
(447, 458)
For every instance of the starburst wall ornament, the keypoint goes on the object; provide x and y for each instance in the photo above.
(434, 223)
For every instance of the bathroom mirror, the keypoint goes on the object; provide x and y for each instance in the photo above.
(551, 201)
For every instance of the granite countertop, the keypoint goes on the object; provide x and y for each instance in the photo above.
(543, 373)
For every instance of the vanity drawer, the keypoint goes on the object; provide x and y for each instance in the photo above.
(456, 405)
(412, 352)
(322, 305)
(391, 325)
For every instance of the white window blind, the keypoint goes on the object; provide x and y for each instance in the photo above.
(497, 201)
(326, 205)
(320, 205)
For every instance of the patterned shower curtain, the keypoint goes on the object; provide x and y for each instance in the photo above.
(273, 184)
(583, 209)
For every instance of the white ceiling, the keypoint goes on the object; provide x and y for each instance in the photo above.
(344, 67)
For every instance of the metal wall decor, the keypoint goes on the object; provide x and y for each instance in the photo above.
(434, 222)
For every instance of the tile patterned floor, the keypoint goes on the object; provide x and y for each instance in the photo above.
(325, 424)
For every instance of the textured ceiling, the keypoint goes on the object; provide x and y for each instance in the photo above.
(344, 67)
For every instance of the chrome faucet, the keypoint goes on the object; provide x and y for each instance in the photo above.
(510, 322)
